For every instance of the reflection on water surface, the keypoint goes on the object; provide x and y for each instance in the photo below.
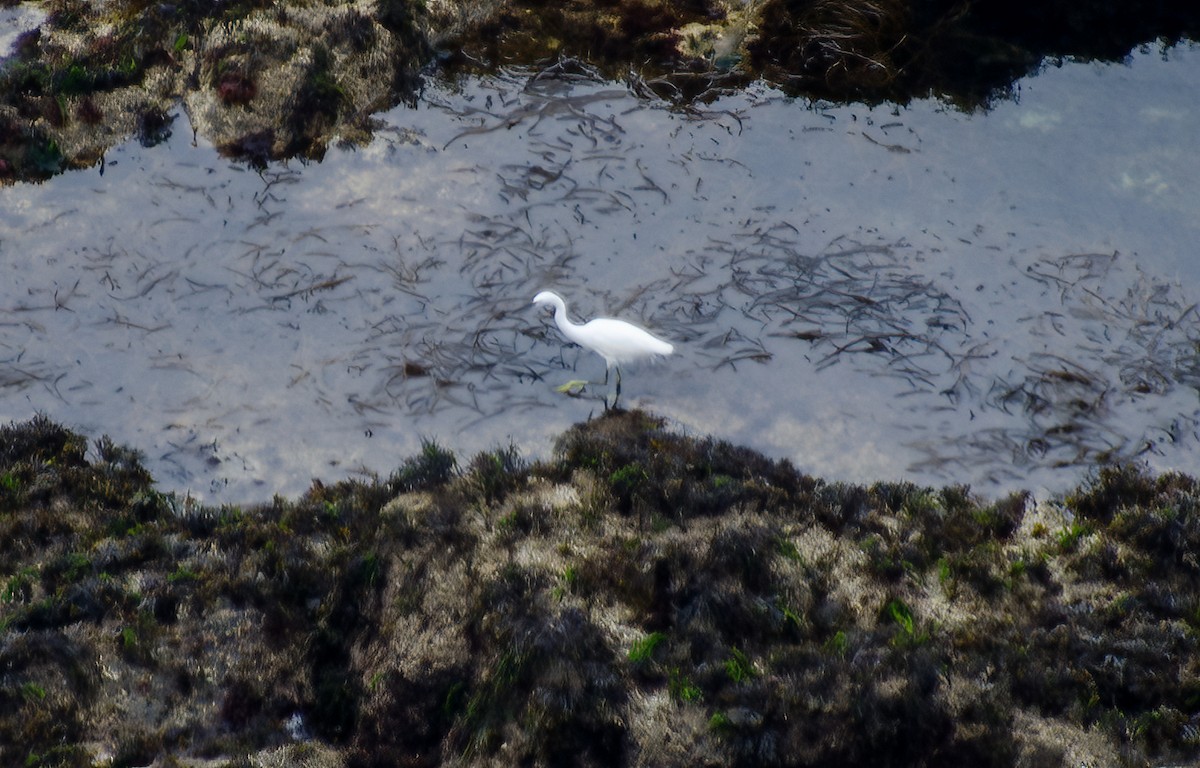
(997, 299)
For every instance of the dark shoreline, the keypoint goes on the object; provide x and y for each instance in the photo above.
(273, 80)
(640, 598)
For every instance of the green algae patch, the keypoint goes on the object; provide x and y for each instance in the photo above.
(641, 597)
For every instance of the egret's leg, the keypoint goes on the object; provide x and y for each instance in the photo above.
(605, 384)
(618, 396)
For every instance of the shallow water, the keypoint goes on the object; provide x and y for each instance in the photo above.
(14, 22)
(999, 299)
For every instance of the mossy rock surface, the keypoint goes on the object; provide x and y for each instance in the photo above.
(260, 80)
(642, 597)
(270, 80)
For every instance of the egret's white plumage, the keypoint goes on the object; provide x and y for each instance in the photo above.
(617, 341)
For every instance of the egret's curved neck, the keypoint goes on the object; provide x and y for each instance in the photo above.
(560, 318)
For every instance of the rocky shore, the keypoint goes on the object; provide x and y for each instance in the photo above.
(270, 80)
(643, 597)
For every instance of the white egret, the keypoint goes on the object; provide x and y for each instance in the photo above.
(617, 341)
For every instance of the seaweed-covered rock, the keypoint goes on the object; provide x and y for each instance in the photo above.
(286, 80)
(266, 80)
(260, 80)
(643, 597)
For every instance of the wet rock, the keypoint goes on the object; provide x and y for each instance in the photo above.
(260, 80)
(265, 80)
(514, 613)
(288, 80)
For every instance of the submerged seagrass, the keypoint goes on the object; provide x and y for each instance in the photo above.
(643, 597)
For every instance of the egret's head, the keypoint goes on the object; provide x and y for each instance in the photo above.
(546, 298)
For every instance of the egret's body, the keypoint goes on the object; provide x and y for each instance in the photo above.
(617, 341)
